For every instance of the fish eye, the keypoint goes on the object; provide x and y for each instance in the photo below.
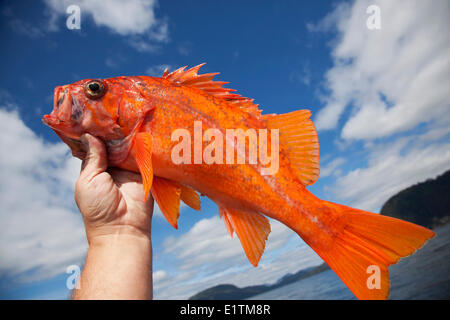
(95, 89)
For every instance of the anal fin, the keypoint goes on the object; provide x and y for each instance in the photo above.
(252, 229)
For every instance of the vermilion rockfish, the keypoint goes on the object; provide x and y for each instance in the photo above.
(136, 117)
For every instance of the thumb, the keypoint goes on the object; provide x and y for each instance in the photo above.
(96, 160)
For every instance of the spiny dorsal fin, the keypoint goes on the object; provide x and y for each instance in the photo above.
(298, 136)
(191, 78)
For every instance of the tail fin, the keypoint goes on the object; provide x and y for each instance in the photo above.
(367, 244)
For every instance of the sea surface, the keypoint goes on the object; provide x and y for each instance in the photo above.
(423, 275)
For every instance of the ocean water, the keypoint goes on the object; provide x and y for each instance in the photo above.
(424, 275)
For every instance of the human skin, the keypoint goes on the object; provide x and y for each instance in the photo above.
(118, 225)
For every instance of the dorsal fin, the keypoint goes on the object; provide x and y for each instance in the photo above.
(191, 78)
(299, 138)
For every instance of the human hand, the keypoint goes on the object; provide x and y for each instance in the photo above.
(111, 200)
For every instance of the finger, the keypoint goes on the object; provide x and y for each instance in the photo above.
(96, 160)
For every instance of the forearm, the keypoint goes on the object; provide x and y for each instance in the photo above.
(118, 266)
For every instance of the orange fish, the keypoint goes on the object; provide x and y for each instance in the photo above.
(136, 117)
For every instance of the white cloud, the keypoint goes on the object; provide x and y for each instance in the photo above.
(392, 168)
(194, 246)
(332, 167)
(336, 19)
(134, 18)
(152, 42)
(396, 78)
(122, 17)
(41, 232)
(160, 275)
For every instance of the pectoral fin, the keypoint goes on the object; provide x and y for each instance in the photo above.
(252, 229)
(167, 195)
(143, 156)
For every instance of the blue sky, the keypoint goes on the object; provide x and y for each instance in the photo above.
(379, 99)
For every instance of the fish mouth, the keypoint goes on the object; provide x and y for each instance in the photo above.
(61, 105)
(60, 125)
(51, 121)
(63, 120)
(66, 111)
(73, 141)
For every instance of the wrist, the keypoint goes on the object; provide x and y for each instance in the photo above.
(106, 234)
(118, 265)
